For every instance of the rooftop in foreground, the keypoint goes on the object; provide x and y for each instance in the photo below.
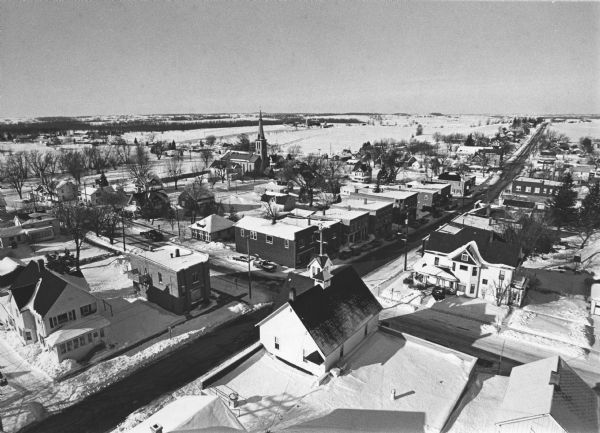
(428, 381)
(174, 257)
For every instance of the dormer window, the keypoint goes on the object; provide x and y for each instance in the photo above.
(464, 257)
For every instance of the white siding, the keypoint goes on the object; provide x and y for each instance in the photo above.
(71, 298)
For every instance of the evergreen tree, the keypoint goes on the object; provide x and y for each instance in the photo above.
(470, 141)
(562, 203)
(589, 213)
(102, 181)
(135, 141)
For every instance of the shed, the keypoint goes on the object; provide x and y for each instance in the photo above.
(213, 228)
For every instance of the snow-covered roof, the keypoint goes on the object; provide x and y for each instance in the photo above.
(536, 180)
(193, 413)
(212, 224)
(76, 329)
(167, 256)
(8, 265)
(550, 387)
(306, 222)
(363, 204)
(302, 212)
(279, 229)
(595, 291)
(390, 193)
(344, 214)
(422, 267)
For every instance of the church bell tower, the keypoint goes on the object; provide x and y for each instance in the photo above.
(261, 145)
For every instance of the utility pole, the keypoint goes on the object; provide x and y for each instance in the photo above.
(177, 216)
(123, 230)
(249, 272)
(405, 243)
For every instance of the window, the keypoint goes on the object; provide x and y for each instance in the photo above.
(276, 343)
(69, 346)
(474, 272)
(269, 239)
(464, 257)
(76, 343)
(464, 268)
(253, 236)
(453, 266)
(536, 190)
(72, 315)
(62, 348)
(472, 289)
(342, 351)
(242, 233)
(62, 318)
(101, 332)
(90, 337)
(286, 243)
(527, 189)
(53, 322)
(86, 310)
(501, 275)
(436, 261)
(159, 277)
(195, 277)
(484, 282)
(82, 341)
(95, 334)
(517, 187)
(27, 335)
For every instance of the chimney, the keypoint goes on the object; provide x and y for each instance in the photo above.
(554, 379)
(156, 428)
(40, 263)
(177, 252)
(292, 294)
(171, 255)
(488, 210)
(309, 220)
(365, 201)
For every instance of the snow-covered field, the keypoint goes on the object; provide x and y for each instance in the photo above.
(577, 130)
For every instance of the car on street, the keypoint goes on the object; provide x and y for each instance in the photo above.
(152, 235)
(265, 265)
(242, 258)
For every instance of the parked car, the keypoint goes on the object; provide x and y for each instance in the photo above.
(265, 265)
(3, 380)
(438, 293)
(152, 235)
(243, 258)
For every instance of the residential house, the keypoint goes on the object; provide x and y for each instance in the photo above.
(430, 195)
(583, 173)
(172, 277)
(361, 172)
(289, 242)
(56, 311)
(488, 157)
(11, 237)
(271, 187)
(548, 396)
(153, 203)
(404, 202)
(460, 185)
(380, 214)
(39, 226)
(9, 270)
(492, 218)
(321, 326)
(474, 261)
(66, 190)
(283, 202)
(535, 187)
(102, 195)
(213, 228)
(200, 202)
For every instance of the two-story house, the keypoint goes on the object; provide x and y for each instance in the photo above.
(380, 214)
(355, 223)
(430, 195)
(460, 185)
(404, 202)
(321, 325)
(289, 242)
(175, 278)
(53, 310)
(361, 172)
(474, 261)
(66, 190)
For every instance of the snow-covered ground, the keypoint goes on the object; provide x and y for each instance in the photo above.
(479, 408)
(57, 396)
(578, 129)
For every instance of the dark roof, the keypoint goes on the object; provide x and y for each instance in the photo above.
(493, 249)
(334, 314)
(321, 260)
(50, 289)
(450, 176)
(24, 284)
(519, 203)
(361, 166)
(300, 283)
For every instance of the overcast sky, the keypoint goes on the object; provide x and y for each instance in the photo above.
(101, 57)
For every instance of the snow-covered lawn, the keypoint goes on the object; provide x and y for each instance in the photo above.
(427, 379)
(577, 130)
(58, 396)
(107, 278)
(480, 406)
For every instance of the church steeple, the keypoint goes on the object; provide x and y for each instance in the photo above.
(261, 132)
(261, 145)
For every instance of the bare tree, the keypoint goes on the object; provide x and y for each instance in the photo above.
(270, 210)
(14, 171)
(40, 162)
(501, 290)
(140, 167)
(174, 168)
(73, 163)
(206, 155)
(75, 219)
(294, 151)
(210, 140)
